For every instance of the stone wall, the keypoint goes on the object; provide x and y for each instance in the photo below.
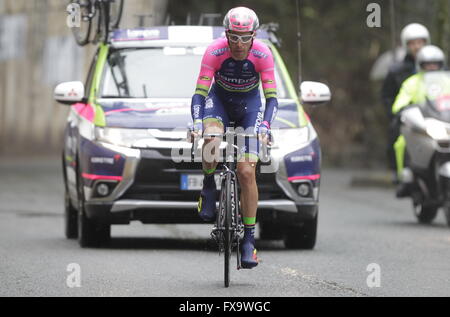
(37, 51)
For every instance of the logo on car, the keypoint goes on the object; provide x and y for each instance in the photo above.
(102, 160)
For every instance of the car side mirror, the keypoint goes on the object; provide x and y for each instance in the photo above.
(69, 93)
(314, 93)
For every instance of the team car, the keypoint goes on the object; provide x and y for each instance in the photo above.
(126, 156)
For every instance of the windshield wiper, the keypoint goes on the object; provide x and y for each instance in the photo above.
(112, 97)
(118, 97)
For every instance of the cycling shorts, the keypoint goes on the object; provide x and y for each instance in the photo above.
(246, 114)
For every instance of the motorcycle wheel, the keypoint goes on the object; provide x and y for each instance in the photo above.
(425, 214)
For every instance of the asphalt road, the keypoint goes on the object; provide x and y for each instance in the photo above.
(358, 226)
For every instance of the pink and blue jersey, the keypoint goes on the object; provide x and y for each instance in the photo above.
(232, 81)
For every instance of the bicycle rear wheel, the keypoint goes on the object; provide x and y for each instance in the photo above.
(228, 234)
(83, 32)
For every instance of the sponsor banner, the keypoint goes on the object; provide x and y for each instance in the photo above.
(141, 34)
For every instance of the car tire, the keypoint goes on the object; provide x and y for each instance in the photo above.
(91, 233)
(302, 237)
(70, 213)
(269, 231)
(70, 218)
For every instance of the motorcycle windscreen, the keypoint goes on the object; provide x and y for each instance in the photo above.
(437, 89)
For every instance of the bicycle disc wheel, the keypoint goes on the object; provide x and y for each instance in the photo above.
(228, 232)
(83, 32)
(116, 9)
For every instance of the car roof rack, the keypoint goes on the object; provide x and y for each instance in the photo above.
(178, 34)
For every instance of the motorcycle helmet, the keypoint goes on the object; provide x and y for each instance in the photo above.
(430, 54)
(415, 31)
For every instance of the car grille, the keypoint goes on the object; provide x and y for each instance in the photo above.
(158, 178)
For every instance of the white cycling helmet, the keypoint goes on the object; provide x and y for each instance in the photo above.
(241, 19)
(415, 31)
(430, 54)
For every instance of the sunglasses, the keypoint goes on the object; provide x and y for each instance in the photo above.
(234, 38)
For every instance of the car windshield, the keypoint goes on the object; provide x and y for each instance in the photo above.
(157, 73)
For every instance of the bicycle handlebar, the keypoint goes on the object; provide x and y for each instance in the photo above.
(264, 150)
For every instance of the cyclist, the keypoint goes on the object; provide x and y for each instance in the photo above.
(429, 58)
(228, 91)
(413, 37)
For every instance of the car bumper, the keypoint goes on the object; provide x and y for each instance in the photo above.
(127, 205)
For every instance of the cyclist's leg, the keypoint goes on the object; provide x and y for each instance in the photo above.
(246, 167)
(249, 205)
(247, 160)
(249, 190)
(214, 120)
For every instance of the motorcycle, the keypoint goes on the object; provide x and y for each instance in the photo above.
(426, 129)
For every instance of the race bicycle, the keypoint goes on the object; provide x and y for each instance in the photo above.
(97, 19)
(229, 228)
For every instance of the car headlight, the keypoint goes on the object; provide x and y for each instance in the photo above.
(121, 137)
(436, 129)
(290, 140)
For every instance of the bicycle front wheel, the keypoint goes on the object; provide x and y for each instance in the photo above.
(82, 32)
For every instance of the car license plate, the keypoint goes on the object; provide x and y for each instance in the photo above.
(194, 182)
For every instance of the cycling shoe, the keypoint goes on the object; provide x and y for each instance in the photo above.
(207, 200)
(249, 258)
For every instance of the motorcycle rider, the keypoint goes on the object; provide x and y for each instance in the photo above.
(412, 91)
(413, 37)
